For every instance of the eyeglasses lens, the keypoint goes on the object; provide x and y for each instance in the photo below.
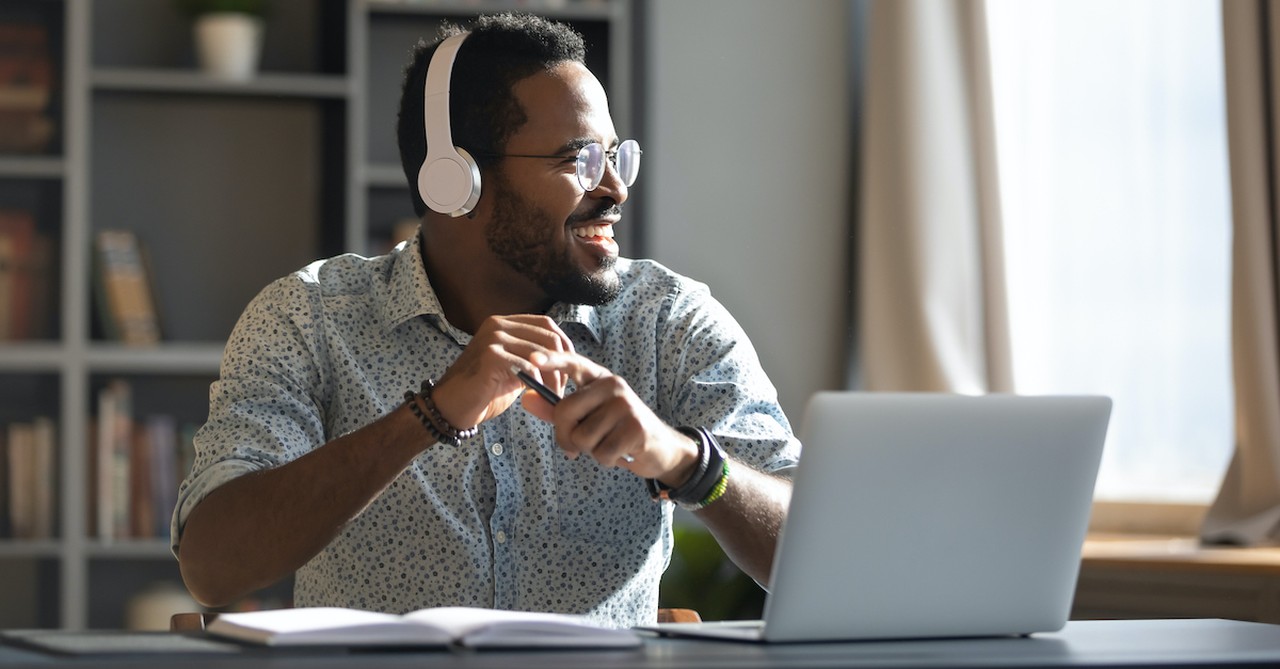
(591, 163)
(628, 164)
(591, 166)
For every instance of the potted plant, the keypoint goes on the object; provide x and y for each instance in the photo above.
(703, 578)
(228, 36)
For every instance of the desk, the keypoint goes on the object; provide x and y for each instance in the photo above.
(1118, 643)
(1130, 576)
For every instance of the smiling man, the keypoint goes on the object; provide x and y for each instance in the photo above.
(369, 433)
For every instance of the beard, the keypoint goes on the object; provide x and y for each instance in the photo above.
(525, 239)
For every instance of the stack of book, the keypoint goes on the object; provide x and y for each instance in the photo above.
(26, 86)
(27, 469)
(137, 466)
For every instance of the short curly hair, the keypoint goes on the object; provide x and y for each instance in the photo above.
(501, 50)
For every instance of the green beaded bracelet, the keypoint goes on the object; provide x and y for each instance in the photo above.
(709, 480)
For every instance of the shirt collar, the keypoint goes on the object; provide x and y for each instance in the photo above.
(409, 295)
(570, 316)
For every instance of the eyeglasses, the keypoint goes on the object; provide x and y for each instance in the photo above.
(591, 162)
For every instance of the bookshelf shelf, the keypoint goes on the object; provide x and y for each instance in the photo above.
(148, 549)
(226, 186)
(191, 82)
(32, 167)
(25, 356)
(195, 358)
(19, 548)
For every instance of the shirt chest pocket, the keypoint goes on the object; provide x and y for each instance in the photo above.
(603, 505)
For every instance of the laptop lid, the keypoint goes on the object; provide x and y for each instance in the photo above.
(929, 515)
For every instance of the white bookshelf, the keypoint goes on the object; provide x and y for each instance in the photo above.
(141, 141)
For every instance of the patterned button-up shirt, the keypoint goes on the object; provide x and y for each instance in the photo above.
(506, 520)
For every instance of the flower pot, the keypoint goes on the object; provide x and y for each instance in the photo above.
(228, 44)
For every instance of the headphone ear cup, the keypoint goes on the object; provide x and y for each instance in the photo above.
(450, 183)
(449, 179)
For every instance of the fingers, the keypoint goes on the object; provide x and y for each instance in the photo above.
(480, 385)
(605, 420)
(581, 369)
(525, 336)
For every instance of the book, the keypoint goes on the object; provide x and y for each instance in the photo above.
(26, 262)
(124, 290)
(140, 502)
(22, 481)
(8, 283)
(443, 626)
(26, 88)
(6, 529)
(44, 472)
(162, 445)
(186, 452)
(31, 478)
(37, 321)
(113, 440)
(26, 68)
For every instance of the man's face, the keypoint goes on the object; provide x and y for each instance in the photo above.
(545, 226)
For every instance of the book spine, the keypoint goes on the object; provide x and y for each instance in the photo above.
(8, 283)
(6, 479)
(162, 433)
(22, 473)
(104, 436)
(121, 448)
(44, 443)
(32, 311)
(141, 503)
(20, 228)
(128, 307)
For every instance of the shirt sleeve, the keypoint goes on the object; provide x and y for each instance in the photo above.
(716, 381)
(264, 410)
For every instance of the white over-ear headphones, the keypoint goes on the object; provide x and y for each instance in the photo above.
(449, 180)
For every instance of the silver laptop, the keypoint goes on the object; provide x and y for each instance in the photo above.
(926, 515)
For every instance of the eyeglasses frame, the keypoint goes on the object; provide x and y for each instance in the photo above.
(611, 156)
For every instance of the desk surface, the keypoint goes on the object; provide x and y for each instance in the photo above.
(1123, 643)
(1180, 554)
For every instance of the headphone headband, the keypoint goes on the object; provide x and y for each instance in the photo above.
(449, 179)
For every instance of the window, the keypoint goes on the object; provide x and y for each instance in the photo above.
(1111, 141)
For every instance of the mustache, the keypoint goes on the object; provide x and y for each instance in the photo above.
(604, 209)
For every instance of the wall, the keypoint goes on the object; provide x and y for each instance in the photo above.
(747, 166)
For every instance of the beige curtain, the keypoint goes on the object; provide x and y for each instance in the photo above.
(931, 306)
(1247, 510)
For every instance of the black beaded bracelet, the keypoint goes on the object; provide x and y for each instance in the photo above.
(411, 398)
(436, 423)
(708, 481)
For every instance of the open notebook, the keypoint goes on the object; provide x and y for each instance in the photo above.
(927, 515)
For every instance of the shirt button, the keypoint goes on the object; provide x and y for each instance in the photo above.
(500, 537)
(496, 449)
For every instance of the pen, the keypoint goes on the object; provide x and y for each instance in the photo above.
(548, 394)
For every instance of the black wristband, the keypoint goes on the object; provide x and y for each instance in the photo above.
(704, 479)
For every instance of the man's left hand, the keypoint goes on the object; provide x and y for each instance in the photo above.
(605, 419)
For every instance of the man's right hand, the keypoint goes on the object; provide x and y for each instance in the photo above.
(479, 385)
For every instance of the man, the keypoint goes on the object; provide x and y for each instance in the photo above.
(471, 492)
